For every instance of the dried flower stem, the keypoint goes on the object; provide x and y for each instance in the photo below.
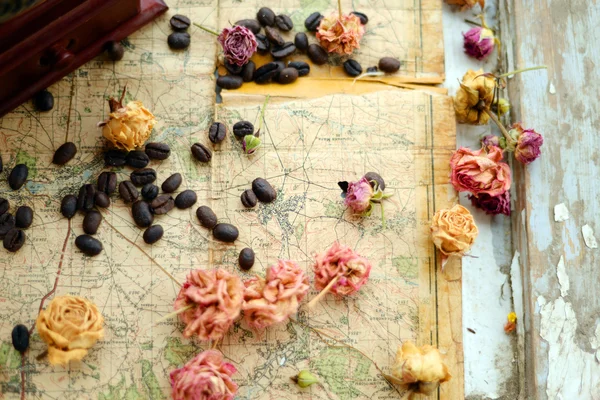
(494, 118)
(206, 29)
(382, 217)
(323, 292)
(521, 70)
(262, 113)
(340, 7)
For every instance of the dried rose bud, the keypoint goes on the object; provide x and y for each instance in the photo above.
(358, 196)
(528, 143)
(421, 368)
(479, 42)
(250, 144)
(511, 323)
(304, 379)
(490, 140)
(493, 204)
(340, 34)
(501, 107)
(474, 97)
(239, 44)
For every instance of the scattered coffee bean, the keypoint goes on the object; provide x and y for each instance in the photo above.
(201, 152)
(158, 151)
(230, 82)
(274, 36)
(91, 222)
(142, 214)
(115, 158)
(206, 216)
(7, 222)
(225, 232)
(18, 176)
(233, 69)
(185, 199)
(301, 41)
(263, 190)
(137, 159)
(284, 22)
(86, 198)
(171, 183)
(128, 192)
(153, 234)
(68, 206)
(102, 200)
(287, 49)
(352, 67)
(247, 73)
(374, 176)
(20, 338)
(88, 245)
(287, 75)
(266, 72)
(266, 16)
(14, 240)
(246, 258)
(248, 198)
(317, 54)
(372, 69)
(178, 40)
(263, 43)
(217, 131)
(280, 66)
(302, 67)
(243, 128)
(107, 182)
(4, 205)
(142, 176)
(150, 191)
(313, 21)
(64, 153)
(180, 22)
(43, 101)
(23, 217)
(363, 17)
(251, 24)
(162, 204)
(389, 64)
(114, 50)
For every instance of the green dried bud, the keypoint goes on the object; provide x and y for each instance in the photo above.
(304, 379)
(250, 144)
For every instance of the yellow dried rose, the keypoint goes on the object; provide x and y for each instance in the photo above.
(129, 127)
(453, 230)
(474, 97)
(420, 368)
(70, 325)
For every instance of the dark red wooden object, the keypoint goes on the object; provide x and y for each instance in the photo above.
(40, 46)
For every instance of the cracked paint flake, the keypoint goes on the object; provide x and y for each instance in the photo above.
(561, 213)
(588, 237)
(563, 278)
(551, 88)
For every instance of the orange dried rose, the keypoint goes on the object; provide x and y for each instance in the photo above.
(128, 127)
(466, 4)
(420, 368)
(453, 230)
(474, 96)
(340, 34)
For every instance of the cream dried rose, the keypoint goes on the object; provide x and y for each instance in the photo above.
(453, 230)
(70, 325)
(420, 368)
(128, 127)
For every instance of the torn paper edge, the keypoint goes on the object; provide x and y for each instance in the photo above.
(561, 213)
(588, 237)
(563, 278)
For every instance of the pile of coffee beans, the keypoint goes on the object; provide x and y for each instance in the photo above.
(261, 191)
(222, 231)
(11, 227)
(179, 39)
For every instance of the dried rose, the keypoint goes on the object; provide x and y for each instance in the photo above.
(420, 368)
(479, 42)
(480, 171)
(466, 4)
(349, 269)
(453, 231)
(359, 195)
(340, 34)
(490, 140)
(70, 325)
(528, 143)
(239, 44)
(212, 301)
(474, 96)
(493, 204)
(204, 377)
(128, 127)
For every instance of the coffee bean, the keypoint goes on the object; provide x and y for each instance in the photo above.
(128, 192)
(372, 69)
(206, 216)
(107, 182)
(230, 82)
(7, 222)
(225, 232)
(142, 214)
(4, 205)
(158, 151)
(287, 75)
(363, 17)
(20, 338)
(24, 217)
(171, 183)
(280, 67)
(251, 24)
(201, 152)
(179, 22)
(137, 159)
(233, 69)
(317, 54)
(247, 73)
(266, 72)
(18, 176)
(150, 191)
(287, 49)
(64, 153)
(14, 240)
(274, 36)
(263, 43)
(91, 222)
(43, 101)
(248, 198)
(86, 198)
(266, 16)
(217, 132)
(263, 190)
(374, 176)
(143, 176)
(114, 50)
(313, 21)
(162, 204)
(389, 64)
(243, 128)
(302, 67)
(102, 200)
(301, 41)
(68, 206)
(284, 22)
(185, 199)
(246, 258)
(153, 234)
(352, 67)
(88, 245)
(115, 158)
(178, 40)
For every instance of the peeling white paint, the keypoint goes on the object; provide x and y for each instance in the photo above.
(551, 88)
(588, 237)
(563, 278)
(561, 213)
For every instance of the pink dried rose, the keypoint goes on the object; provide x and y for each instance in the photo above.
(358, 195)
(213, 300)
(204, 377)
(480, 171)
(528, 143)
(479, 42)
(239, 44)
(341, 270)
(272, 300)
(493, 205)
(340, 34)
